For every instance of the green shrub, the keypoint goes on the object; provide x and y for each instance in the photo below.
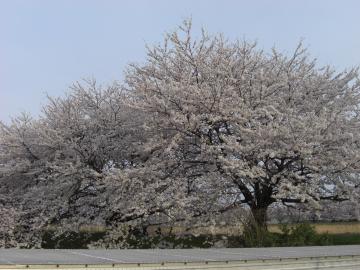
(69, 239)
(344, 239)
(302, 234)
(291, 235)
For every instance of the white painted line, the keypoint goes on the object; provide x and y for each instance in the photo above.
(230, 253)
(97, 257)
(200, 259)
(241, 254)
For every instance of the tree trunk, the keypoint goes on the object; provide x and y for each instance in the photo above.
(255, 230)
(259, 217)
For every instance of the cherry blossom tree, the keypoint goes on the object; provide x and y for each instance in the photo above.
(236, 125)
(205, 125)
(60, 161)
(9, 215)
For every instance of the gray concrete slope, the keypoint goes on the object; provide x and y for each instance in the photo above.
(112, 256)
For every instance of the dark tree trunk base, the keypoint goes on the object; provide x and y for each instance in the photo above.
(259, 217)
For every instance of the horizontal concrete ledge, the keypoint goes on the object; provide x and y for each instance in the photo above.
(329, 262)
(325, 257)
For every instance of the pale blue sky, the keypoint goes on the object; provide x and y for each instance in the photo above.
(45, 45)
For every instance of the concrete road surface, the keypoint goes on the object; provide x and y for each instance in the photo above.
(112, 256)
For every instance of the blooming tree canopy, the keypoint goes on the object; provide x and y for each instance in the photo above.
(250, 127)
(202, 126)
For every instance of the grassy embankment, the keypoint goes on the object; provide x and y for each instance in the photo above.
(330, 228)
(337, 233)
